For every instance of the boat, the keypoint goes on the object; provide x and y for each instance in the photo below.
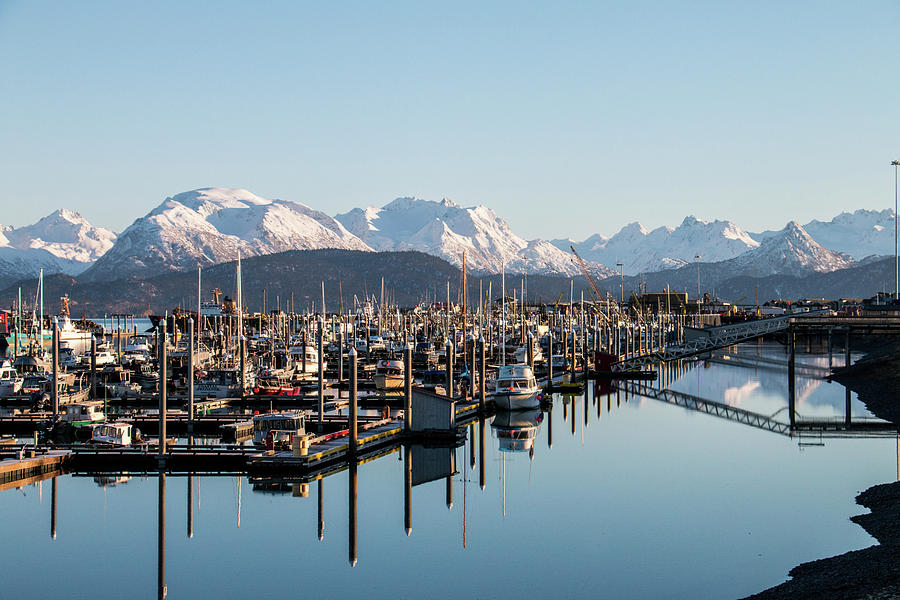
(389, 374)
(113, 434)
(104, 357)
(275, 382)
(84, 413)
(521, 353)
(516, 430)
(69, 333)
(222, 383)
(10, 380)
(67, 356)
(281, 426)
(516, 388)
(299, 351)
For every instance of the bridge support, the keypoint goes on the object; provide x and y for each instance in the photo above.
(792, 391)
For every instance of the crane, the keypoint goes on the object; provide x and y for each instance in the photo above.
(595, 292)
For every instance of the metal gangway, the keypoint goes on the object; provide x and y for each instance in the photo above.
(824, 428)
(710, 339)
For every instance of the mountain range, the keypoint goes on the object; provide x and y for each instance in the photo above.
(212, 225)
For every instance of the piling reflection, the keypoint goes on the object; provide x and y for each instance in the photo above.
(161, 538)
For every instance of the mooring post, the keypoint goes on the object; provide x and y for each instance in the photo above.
(162, 392)
(481, 376)
(791, 379)
(407, 387)
(190, 375)
(54, 353)
(448, 351)
(550, 359)
(340, 369)
(94, 373)
(529, 349)
(353, 404)
(319, 347)
(303, 353)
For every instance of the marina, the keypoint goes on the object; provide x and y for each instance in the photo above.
(456, 423)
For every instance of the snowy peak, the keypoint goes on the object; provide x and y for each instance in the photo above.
(791, 250)
(64, 234)
(212, 225)
(446, 229)
(641, 250)
(860, 234)
(61, 242)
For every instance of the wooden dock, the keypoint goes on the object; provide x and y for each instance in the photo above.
(16, 472)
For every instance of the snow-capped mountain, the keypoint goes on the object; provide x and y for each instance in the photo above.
(789, 251)
(62, 242)
(640, 250)
(446, 229)
(213, 225)
(860, 234)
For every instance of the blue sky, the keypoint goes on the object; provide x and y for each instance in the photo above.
(567, 118)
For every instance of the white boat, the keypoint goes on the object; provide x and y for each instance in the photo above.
(104, 357)
(389, 374)
(84, 413)
(298, 351)
(115, 434)
(281, 426)
(516, 430)
(516, 388)
(67, 356)
(521, 353)
(68, 332)
(139, 343)
(10, 380)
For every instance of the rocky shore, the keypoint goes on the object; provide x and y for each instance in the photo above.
(871, 573)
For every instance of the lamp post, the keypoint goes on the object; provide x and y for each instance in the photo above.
(698, 279)
(622, 280)
(895, 164)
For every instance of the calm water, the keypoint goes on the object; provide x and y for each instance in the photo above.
(648, 500)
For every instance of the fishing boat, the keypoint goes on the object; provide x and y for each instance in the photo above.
(69, 333)
(104, 357)
(516, 430)
(281, 426)
(308, 353)
(112, 434)
(10, 380)
(84, 413)
(516, 388)
(67, 356)
(222, 383)
(521, 353)
(389, 374)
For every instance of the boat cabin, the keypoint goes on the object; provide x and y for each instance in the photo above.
(84, 413)
(115, 434)
(282, 426)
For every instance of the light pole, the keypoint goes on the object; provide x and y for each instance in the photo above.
(699, 298)
(622, 280)
(895, 164)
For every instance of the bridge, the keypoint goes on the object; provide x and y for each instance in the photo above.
(712, 338)
(835, 427)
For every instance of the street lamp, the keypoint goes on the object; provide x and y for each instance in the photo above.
(622, 280)
(895, 164)
(698, 278)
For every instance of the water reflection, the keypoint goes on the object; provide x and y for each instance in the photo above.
(647, 427)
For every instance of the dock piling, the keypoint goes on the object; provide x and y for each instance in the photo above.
(354, 440)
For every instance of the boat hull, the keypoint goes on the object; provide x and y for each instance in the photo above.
(517, 400)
